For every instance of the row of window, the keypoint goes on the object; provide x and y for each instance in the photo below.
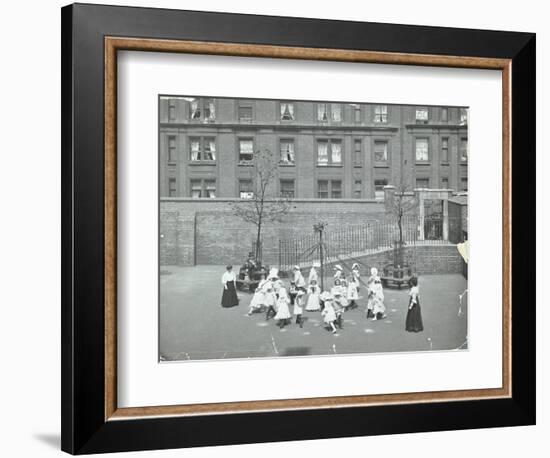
(329, 151)
(326, 189)
(204, 109)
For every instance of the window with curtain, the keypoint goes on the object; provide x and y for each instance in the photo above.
(196, 189)
(195, 147)
(322, 152)
(380, 113)
(336, 152)
(209, 110)
(246, 190)
(209, 149)
(287, 151)
(336, 112)
(464, 149)
(287, 111)
(246, 150)
(463, 116)
(195, 109)
(421, 149)
(421, 115)
(380, 151)
(210, 188)
(322, 114)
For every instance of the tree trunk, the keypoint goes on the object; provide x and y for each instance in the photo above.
(258, 243)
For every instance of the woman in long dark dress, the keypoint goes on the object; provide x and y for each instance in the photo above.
(229, 296)
(413, 323)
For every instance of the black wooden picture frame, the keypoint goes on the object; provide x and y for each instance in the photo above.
(85, 428)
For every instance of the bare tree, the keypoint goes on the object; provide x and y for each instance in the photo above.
(399, 203)
(258, 208)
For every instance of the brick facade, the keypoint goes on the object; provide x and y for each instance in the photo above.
(358, 132)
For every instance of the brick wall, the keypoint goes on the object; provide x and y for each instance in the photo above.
(427, 259)
(204, 231)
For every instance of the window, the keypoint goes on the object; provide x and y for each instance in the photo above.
(172, 187)
(379, 188)
(246, 149)
(463, 116)
(246, 191)
(445, 149)
(357, 113)
(380, 113)
(329, 188)
(210, 188)
(287, 151)
(245, 113)
(336, 189)
(464, 184)
(357, 188)
(172, 148)
(202, 149)
(203, 189)
(329, 152)
(423, 183)
(421, 150)
(357, 153)
(336, 112)
(322, 189)
(287, 189)
(287, 111)
(202, 109)
(171, 110)
(444, 183)
(464, 149)
(444, 114)
(380, 151)
(421, 115)
(323, 112)
(196, 189)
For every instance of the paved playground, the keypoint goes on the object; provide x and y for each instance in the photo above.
(194, 326)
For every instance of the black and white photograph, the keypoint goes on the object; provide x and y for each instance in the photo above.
(296, 228)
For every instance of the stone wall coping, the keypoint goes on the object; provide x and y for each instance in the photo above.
(303, 200)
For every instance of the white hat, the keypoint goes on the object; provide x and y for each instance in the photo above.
(296, 268)
(355, 265)
(325, 296)
(273, 273)
(316, 264)
(374, 271)
(338, 267)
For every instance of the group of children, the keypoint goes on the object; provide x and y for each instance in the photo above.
(272, 297)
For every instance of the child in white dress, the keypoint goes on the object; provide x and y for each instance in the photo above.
(258, 300)
(328, 313)
(313, 304)
(283, 312)
(299, 307)
(352, 292)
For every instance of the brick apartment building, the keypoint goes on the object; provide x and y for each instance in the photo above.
(326, 150)
(334, 161)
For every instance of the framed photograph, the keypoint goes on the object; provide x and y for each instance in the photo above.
(284, 228)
